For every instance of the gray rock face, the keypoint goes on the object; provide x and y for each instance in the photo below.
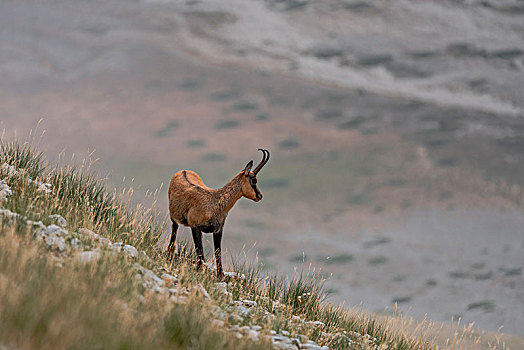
(8, 214)
(54, 236)
(58, 219)
(171, 279)
(76, 244)
(86, 232)
(5, 190)
(202, 291)
(310, 346)
(117, 247)
(150, 279)
(130, 250)
(9, 169)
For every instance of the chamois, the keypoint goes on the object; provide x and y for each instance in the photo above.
(193, 204)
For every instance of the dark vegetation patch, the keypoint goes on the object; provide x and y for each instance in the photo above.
(364, 123)
(190, 85)
(378, 208)
(377, 241)
(423, 54)
(298, 258)
(478, 265)
(289, 143)
(508, 271)
(358, 6)
(268, 266)
(374, 60)
(260, 117)
(482, 276)
(458, 274)
(329, 114)
(166, 130)
(211, 18)
(196, 143)
(291, 5)
(340, 259)
(378, 260)
(369, 130)
(214, 157)
(224, 95)
(326, 51)
(430, 282)
(483, 305)
(465, 50)
(227, 124)
(448, 162)
(399, 278)
(245, 105)
(400, 300)
(445, 195)
(331, 291)
(357, 197)
(403, 70)
(265, 252)
(292, 66)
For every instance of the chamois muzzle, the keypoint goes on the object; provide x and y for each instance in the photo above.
(265, 159)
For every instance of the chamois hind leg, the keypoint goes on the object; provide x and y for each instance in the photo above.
(171, 247)
(197, 239)
(217, 240)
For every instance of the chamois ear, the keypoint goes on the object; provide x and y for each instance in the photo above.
(248, 167)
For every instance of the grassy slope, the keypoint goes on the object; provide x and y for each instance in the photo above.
(47, 301)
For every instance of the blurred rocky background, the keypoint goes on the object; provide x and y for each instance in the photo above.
(396, 131)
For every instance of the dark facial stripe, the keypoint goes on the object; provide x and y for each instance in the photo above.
(257, 192)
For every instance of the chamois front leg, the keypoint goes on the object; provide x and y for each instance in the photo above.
(171, 247)
(217, 241)
(197, 239)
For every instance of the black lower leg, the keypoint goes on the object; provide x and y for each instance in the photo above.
(197, 239)
(171, 247)
(217, 240)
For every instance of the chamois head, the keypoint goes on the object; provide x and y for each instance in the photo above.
(249, 178)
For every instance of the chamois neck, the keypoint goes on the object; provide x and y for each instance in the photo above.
(228, 195)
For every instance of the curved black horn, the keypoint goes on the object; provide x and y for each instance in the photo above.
(264, 160)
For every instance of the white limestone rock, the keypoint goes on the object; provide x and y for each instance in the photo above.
(9, 215)
(94, 236)
(202, 291)
(54, 237)
(5, 190)
(170, 279)
(116, 247)
(149, 277)
(9, 169)
(58, 219)
(130, 250)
